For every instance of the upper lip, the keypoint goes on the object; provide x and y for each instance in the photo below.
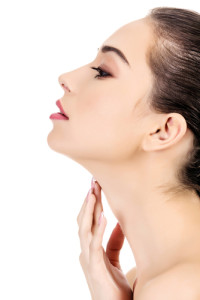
(58, 103)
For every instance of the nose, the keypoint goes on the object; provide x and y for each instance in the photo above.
(63, 83)
(75, 78)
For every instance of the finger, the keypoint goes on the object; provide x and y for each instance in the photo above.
(96, 253)
(98, 204)
(115, 244)
(86, 222)
(80, 215)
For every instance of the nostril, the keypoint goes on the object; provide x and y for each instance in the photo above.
(65, 87)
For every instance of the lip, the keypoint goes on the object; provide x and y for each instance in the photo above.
(58, 103)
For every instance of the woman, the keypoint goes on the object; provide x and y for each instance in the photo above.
(133, 122)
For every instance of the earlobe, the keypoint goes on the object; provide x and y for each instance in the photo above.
(169, 132)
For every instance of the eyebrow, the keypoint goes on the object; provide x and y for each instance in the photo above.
(107, 48)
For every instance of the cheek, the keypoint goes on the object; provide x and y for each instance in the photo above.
(99, 111)
(101, 123)
(101, 126)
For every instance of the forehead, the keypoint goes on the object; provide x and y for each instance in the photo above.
(133, 39)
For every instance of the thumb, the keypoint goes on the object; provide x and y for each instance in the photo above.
(114, 245)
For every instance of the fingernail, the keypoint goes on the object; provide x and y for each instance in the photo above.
(101, 218)
(92, 182)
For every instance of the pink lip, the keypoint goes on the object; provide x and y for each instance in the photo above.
(58, 116)
(61, 108)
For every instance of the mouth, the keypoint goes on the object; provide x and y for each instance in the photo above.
(62, 112)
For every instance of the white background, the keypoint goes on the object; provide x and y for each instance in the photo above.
(42, 191)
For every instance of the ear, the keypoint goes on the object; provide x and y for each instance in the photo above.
(171, 128)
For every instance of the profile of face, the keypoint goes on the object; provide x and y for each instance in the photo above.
(106, 108)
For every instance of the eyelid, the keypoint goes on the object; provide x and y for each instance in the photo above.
(102, 69)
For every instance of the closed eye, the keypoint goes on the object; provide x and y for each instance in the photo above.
(102, 73)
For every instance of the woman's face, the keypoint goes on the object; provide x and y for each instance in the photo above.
(104, 122)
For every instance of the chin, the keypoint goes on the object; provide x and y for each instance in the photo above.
(53, 142)
(80, 152)
(57, 143)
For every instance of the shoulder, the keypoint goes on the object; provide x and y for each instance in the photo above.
(181, 282)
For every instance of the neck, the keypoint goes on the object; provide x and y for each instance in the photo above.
(160, 228)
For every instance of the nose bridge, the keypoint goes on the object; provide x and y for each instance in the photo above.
(73, 79)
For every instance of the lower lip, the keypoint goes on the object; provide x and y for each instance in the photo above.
(58, 116)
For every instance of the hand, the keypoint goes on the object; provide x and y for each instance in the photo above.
(102, 270)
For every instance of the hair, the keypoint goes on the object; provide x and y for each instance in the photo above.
(174, 60)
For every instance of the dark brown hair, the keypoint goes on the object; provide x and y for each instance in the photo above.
(174, 59)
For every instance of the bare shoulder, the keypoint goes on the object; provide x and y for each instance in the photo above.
(181, 282)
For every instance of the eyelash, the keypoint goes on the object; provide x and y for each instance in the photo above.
(100, 72)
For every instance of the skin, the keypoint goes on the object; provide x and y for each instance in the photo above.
(102, 269)
(132, 152)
